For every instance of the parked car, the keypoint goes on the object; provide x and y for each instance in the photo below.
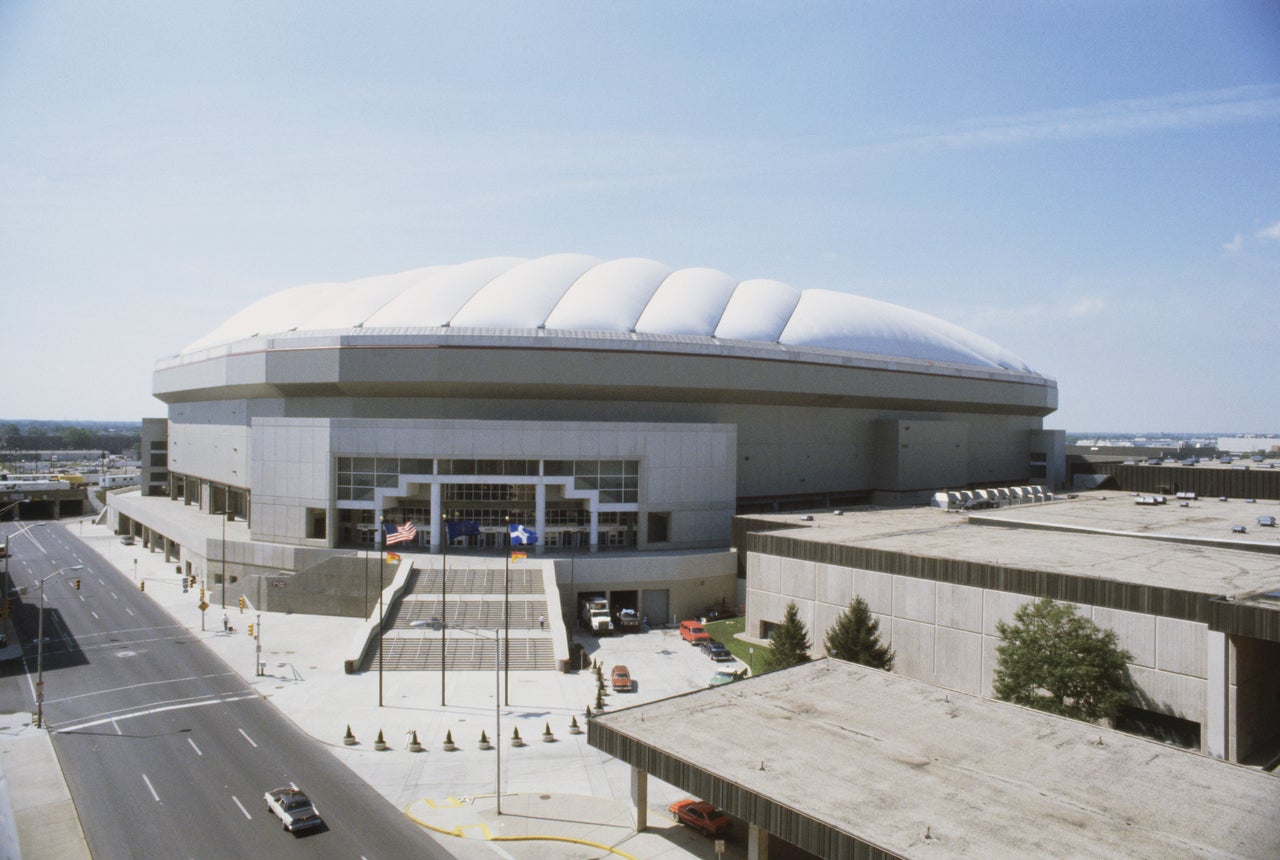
(1266, 521)
(294, 809)
(620, 680)
(127, 540)
(716, 651)
(716, 613)
(724, 676)
(700, 815)
(693, 632)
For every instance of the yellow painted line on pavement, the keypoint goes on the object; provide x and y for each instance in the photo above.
(460, 831)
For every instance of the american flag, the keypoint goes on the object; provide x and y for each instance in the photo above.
(399, 534)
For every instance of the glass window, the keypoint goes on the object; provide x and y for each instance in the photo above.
(559, 468)
(415, 467)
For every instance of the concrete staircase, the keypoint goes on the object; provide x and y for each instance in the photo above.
(482, 598)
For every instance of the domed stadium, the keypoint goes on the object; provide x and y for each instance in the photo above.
(615, 407)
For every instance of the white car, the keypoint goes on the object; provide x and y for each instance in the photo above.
(294, 809)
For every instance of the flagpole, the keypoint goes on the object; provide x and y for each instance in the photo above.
(444, 615)
(381, 567)
(506, 621)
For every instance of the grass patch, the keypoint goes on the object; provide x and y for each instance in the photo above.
(726, 631)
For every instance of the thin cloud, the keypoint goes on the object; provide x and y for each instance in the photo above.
(1234, 246)
(1270, 234)
(1085, 307)
(1105, 119)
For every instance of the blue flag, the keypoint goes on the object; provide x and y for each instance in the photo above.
(461, 528)
(522, 535)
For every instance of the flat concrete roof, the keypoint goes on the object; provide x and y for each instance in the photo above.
(919, 771)
(1102, 535)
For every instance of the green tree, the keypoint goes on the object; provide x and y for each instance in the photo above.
(856, 637)
(788, 642)
(79, 438)
(1056, 660)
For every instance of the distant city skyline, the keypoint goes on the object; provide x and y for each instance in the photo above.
(1091, 186)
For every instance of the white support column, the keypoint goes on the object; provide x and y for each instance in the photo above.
(594, 541)
(1217, 726)
(435, 517)
(540, 517)
(757, 842)
(640, 797)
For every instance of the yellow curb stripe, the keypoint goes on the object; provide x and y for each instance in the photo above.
(460, 832)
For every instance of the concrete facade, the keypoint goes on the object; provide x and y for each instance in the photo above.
(1197, 613)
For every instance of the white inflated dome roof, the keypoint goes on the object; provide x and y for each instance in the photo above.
(579, 293)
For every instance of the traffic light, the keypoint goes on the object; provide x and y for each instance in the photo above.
(250, 631)
(184, 585)
(202, 594)
(77, 583)
(242, 601)
(142, 585)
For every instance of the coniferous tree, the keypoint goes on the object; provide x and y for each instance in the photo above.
(856, 637)
(1056, 660)
(789, 642)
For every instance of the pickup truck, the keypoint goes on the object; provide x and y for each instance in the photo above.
(294, 809)
(629, 621)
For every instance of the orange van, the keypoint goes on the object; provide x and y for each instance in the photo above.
(693, 632)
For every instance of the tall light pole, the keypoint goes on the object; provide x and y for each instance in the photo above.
(223, 552)
(444, 615)
(40, 646)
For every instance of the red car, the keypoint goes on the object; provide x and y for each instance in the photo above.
(700, 815)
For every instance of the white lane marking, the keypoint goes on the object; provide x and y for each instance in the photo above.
(111, 690)
(242, 809)
(94, 614)
(194, 747)
(154, 796)
(114, 596)
(250, 740)
(116, 726)
(127, 609)
(88, 724)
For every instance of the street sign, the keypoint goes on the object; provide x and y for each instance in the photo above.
(203, 606)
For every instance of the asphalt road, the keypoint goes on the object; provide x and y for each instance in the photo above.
(166, 751)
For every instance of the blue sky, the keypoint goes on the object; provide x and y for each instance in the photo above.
(1093, 185)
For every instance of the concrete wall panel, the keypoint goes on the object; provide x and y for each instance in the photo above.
(1181, 646)
(914, 599)
(958, 660)
(959, 607)
(913, 647)
(1136, 632)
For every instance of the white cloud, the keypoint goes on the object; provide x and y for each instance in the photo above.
(1234, 246)
(1271, 233)
(1195, 109)
(1085, 307)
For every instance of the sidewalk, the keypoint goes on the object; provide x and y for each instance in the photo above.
(561, 798)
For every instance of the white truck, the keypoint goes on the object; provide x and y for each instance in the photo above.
(595, 615)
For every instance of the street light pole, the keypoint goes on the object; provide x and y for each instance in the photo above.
(444, 615)
(224, 556)
(40, 646)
